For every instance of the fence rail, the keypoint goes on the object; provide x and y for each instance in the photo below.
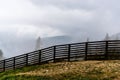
(97, 50)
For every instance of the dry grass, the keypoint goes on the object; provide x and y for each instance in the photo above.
(100, 70)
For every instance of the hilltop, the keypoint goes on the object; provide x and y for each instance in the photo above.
(82, 70)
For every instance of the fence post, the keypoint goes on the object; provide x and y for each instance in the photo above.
(69, 47)
(86, 50)
(14, 63)
(106, 50)
(54, 50)
(39, 56)
(3, 65)
(26, 59)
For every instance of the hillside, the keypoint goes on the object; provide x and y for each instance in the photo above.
(56, 40)
(82, 70)
(115, 36)
(22, 46)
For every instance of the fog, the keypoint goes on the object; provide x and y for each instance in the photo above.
(22, 21)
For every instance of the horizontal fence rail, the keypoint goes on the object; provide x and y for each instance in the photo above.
(97, 50)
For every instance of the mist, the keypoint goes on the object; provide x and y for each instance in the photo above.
(23, 21)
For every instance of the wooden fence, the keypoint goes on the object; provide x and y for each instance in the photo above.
(98, 50)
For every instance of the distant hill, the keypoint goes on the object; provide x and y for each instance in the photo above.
(115, 37)
(50, 41)
(21, 46)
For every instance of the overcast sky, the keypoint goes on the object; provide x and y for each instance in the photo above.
(26, 19)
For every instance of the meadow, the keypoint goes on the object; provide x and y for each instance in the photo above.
(78, 70)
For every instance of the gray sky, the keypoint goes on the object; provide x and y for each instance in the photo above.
(26, 19)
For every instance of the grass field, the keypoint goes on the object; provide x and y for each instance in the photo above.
(82, 70)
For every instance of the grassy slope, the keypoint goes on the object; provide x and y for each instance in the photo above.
(82, 70)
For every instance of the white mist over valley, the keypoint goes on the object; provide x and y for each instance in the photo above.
(56, 22)
(27, 45)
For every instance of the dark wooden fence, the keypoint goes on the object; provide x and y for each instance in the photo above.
(98, 50)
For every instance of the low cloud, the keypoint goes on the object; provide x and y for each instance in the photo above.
(24, 20)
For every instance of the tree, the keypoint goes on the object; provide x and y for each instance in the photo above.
(88, 39)
(1, 55)
(38, 44)
(107, 37)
